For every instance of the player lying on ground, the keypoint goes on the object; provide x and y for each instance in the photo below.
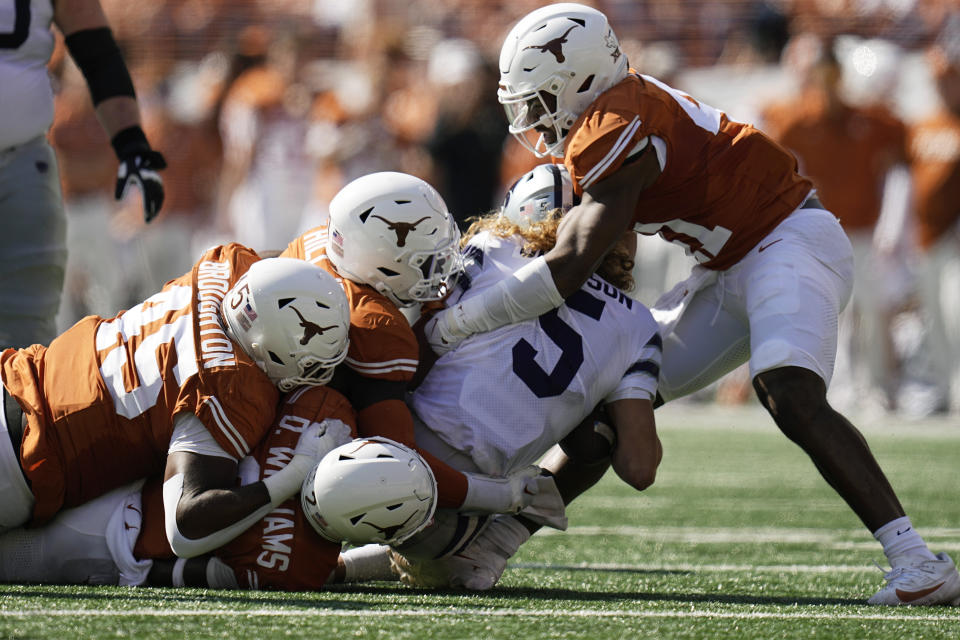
(380, 338)
(502, 399)
(119, 538)
(183, 384)
(775, 268)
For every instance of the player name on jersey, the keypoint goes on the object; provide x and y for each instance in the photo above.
(213, 282)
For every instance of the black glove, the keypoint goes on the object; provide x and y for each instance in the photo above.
(139, 165)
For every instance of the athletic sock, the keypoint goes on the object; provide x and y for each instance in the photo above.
(369, 562)
(901, 542)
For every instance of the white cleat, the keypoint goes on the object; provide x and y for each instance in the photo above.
(480, 565)
(921, 583)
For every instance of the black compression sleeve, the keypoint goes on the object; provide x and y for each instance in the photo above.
(98, 56)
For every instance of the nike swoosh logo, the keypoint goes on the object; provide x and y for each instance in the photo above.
(910, 596)
(900, 533)
(767, 246)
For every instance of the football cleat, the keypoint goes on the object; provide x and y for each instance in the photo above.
(480, 565)
(921, 583)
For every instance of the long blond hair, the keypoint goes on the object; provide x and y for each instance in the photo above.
(539, 237)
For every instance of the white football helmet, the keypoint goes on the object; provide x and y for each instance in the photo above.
(292, 318)
(538, 192)
(370, 490)
(553, 64)
(393, 232)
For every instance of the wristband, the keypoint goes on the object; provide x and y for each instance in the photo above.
(287, 481)
(98, 57)
(129, 140)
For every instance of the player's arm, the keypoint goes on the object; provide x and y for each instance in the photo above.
(206, 572)
(203, 506)
(638, 451)
(587, 233)
(91, 45)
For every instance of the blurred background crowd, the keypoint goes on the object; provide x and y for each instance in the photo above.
(265, 108)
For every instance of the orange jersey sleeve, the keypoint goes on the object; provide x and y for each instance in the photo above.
(100, 400)
(392, 419)
(283, 551)
(724, 185)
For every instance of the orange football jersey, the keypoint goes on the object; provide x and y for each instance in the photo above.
(934, 149)
(282, 550)
(382, 346)
(847, 154)
(724, 186)
(100, 400)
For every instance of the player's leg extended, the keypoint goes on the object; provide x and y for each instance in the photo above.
(795, 293)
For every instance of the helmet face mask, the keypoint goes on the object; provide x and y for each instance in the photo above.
(292, 318)
(553, 64)
(393, 232)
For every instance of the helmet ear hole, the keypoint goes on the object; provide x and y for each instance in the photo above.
(586, 84)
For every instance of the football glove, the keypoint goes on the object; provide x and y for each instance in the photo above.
(487, 494)
(443, 332)
(139, 165)
(321, 438)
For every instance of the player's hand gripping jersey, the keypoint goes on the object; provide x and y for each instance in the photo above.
(724, 185)
(282, 550)
(100, 400)
(506, 396)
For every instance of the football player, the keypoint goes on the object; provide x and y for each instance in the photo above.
(774, 272)
(393, 244)
(33, 249)
(119, 537)
(502, 399)
(183, 384)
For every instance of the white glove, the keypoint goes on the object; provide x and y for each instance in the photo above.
(546, 508)
(320, 438)
(316, 441)
(487, 494)
(443, 331)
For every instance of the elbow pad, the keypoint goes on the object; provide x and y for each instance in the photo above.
(98, 57)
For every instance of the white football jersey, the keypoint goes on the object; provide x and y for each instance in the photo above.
(506, 396)
(26, 97)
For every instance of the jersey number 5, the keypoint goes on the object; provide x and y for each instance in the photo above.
(21, 26)
(548, 385)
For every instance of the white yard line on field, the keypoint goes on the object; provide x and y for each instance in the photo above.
(941, 537)
(889, 615)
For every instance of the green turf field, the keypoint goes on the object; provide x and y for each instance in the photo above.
(739, 538)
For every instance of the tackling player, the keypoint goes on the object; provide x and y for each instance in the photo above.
(33, 248)
(775, 268)
(182, 384)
